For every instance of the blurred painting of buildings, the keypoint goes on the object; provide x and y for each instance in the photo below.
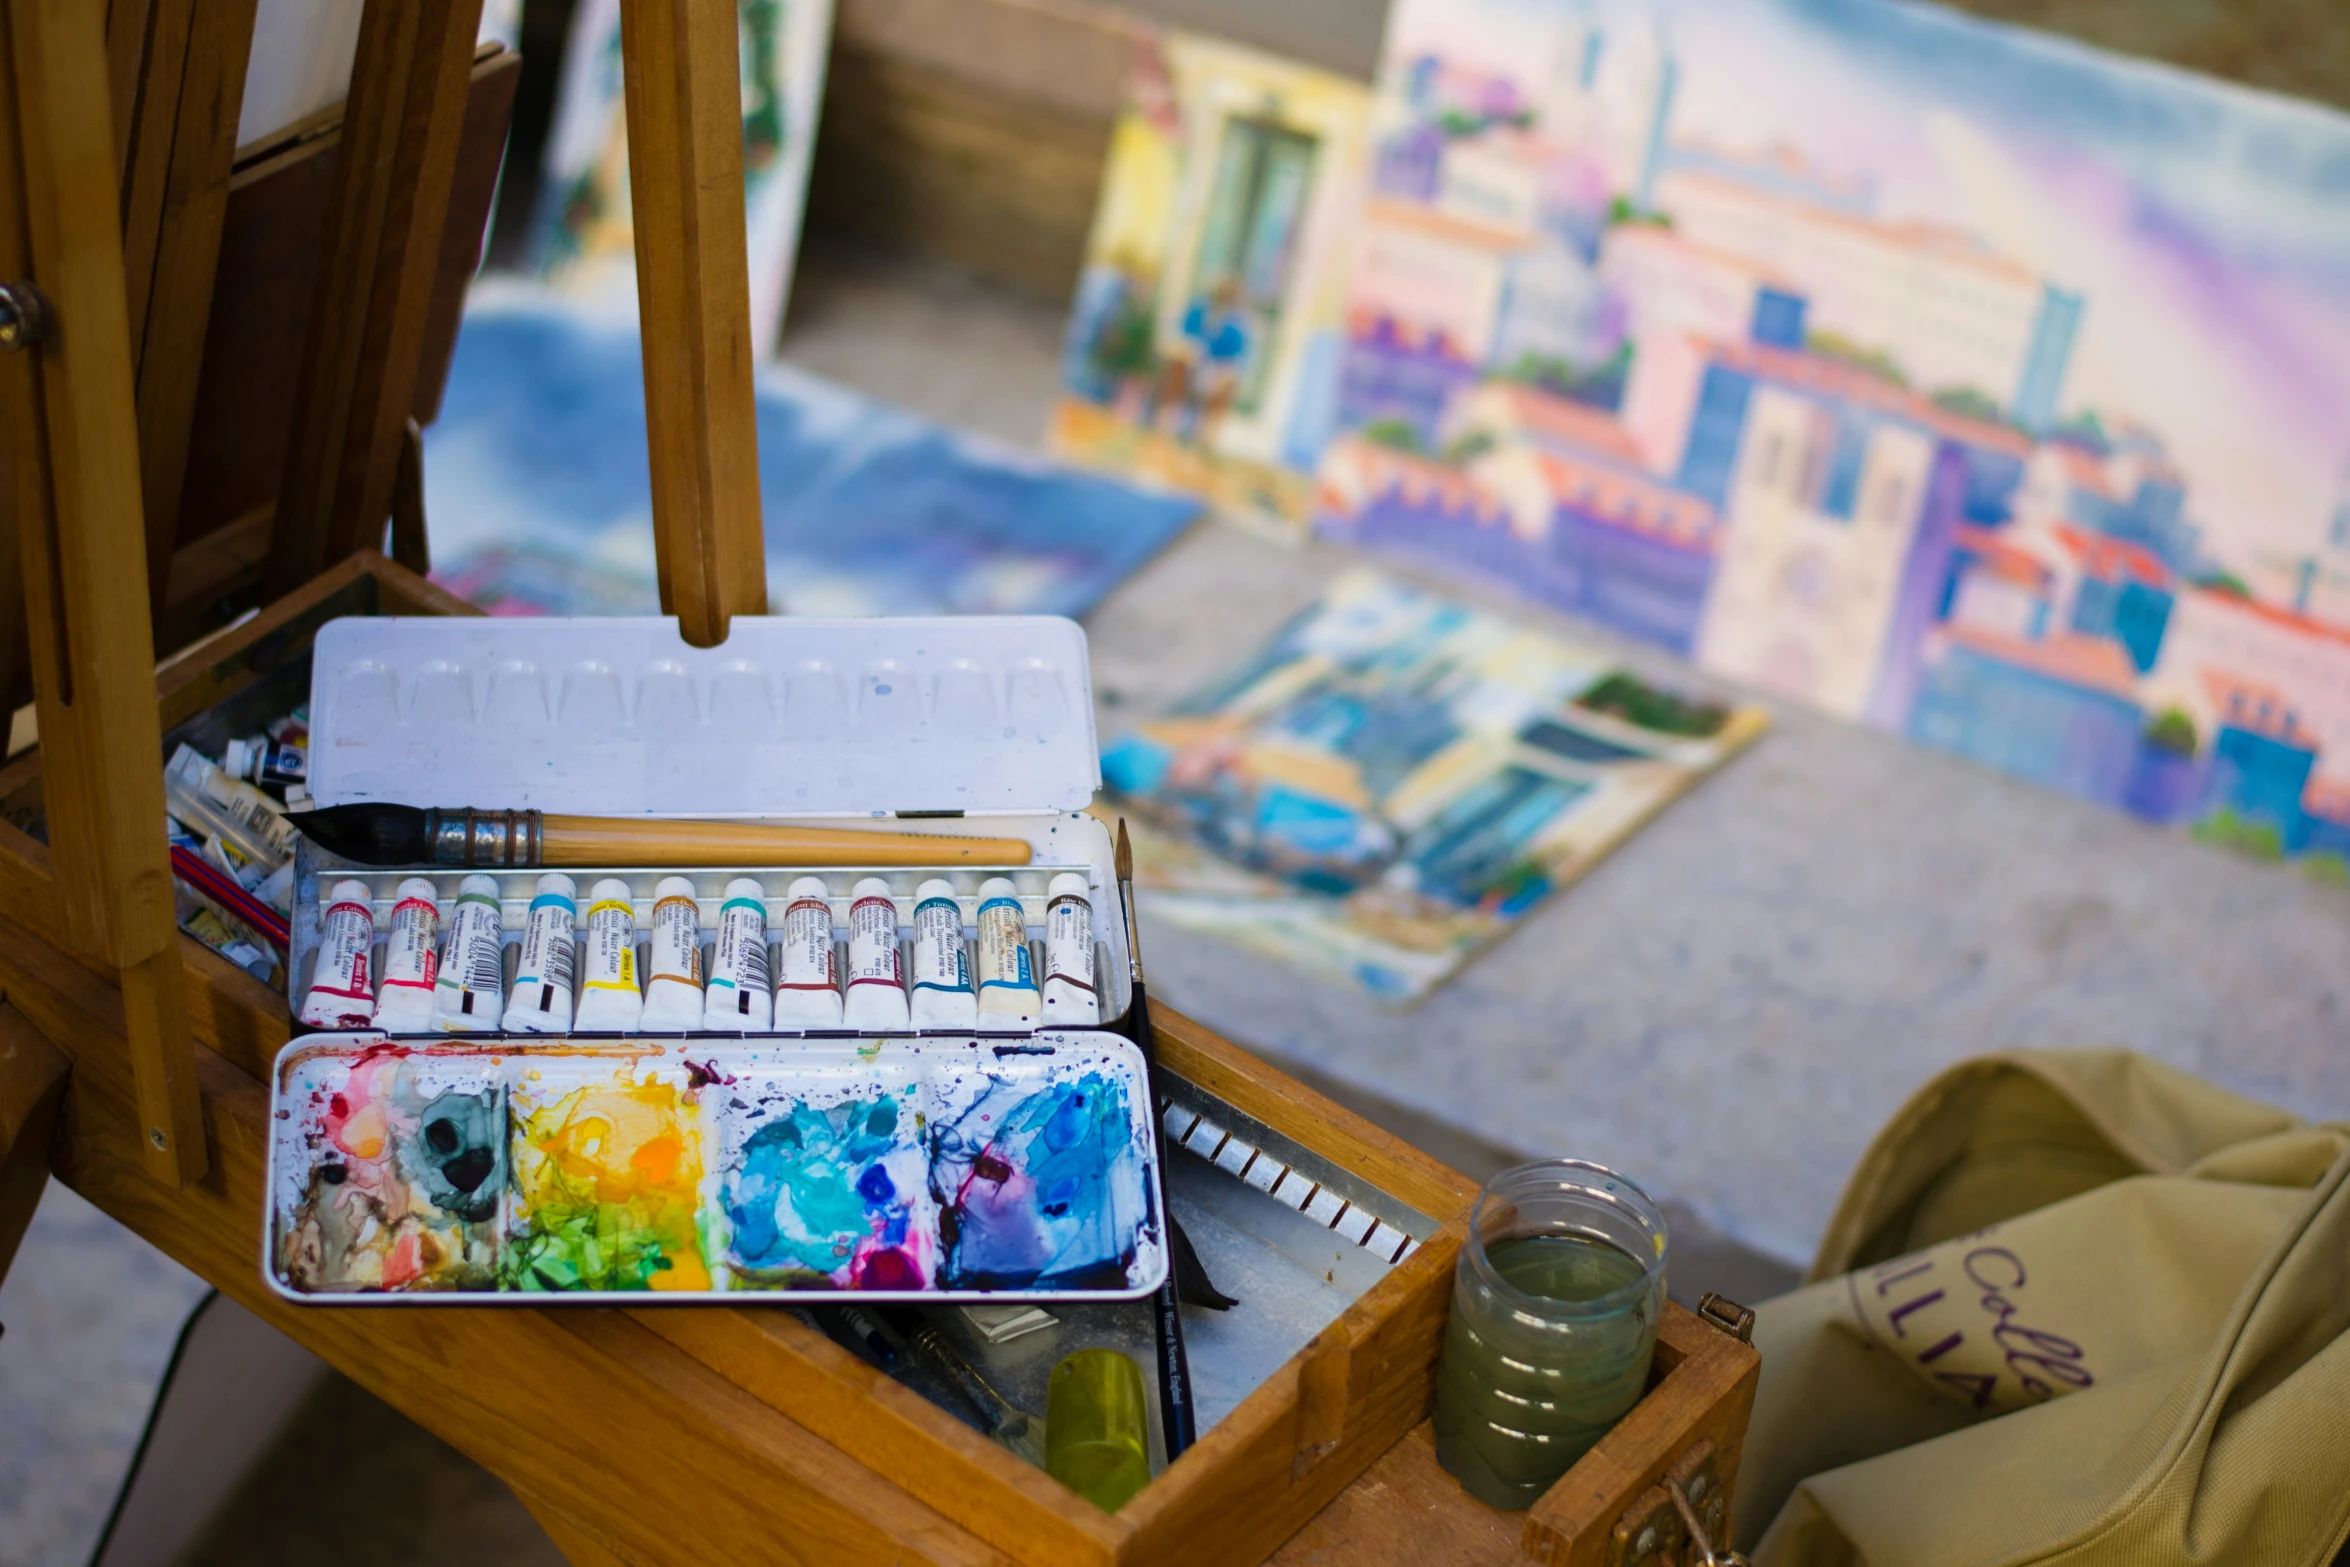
(1394, 780)
(1985, 390)
(1205, 337)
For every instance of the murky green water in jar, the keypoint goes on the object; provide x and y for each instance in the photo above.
(1521, 1394)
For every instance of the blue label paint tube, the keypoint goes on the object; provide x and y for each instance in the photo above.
(609, 1000)
(737, 1000)
(340, 996)
(877, 987)
(807, 974)
(541, 1003)
(412, 960)
(469, 993)
(1007, 975)
(943, 997)
(673, 990)
(1069, 999)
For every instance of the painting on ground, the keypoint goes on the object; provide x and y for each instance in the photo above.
(1395, 780)
(1203, 347)
(540, 497)
(586, 243)
(1942, 375)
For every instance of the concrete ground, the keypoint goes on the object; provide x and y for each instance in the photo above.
(1726, 1009)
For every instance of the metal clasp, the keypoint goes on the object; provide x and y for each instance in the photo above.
(25, 316)
(1722, 1312)
(1675, 1522)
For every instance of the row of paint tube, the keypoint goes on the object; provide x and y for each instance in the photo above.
(448, 976)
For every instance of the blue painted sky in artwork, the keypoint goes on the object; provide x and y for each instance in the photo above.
(540, 449)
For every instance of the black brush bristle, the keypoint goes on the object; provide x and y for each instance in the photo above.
(370, 833)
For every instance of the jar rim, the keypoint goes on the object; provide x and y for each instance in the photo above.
(1602, 1186)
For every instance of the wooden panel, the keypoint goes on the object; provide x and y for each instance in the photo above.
(32, 1083)
(972, 131)
(377, 269)
(1405, 1511)
(1706, 1393)
(83, 545)
(144, 130)
(685, 176)
(168, 333)
(260, 313)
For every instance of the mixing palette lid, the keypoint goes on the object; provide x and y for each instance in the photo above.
(791, 717)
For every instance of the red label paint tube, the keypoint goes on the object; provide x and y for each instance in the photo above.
(541, 1003)
(807, 974)
(877, 987)
(673, 991)
(1069, 999)
(340, 996)
(943, 997)
(411, 960)
(609, 1000)
(738, 1000)
(469, 993)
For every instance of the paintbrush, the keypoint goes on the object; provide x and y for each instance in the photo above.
(1178, 1417)
(383, 834)
(1006, 1421)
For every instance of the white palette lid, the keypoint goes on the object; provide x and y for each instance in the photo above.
(791, 717)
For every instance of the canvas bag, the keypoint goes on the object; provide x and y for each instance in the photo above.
(2074, 1307)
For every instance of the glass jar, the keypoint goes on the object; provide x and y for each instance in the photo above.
(1554, 1313)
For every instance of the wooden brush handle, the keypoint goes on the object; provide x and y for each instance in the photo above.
(606, 840)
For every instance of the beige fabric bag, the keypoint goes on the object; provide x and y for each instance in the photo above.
(2075, 1307)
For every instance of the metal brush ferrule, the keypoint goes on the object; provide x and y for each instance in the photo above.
(499, 839)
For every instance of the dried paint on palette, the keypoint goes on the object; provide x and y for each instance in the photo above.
(827, 1188)
(392, 1167)
(1041, 1181)
(607, 1174)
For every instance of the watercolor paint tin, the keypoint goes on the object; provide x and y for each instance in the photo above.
(924, 1170)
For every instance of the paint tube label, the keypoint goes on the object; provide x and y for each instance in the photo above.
(943, 997)
(608, 993)
(738, 996)
(1068, 962)
(1007, 977)
(411, 965)
(877, 986)
(340, 996)
(469, 992)
(807, 984)
(673, 990)
(542, 984)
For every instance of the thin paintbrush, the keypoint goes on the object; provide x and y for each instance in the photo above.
(1177, 1413)
(1006, 1421)
(382, 834)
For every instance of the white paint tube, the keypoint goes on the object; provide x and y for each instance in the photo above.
(943, 997)
(609, 1000)
(340, 996)
(541, 1003)
(673, 987)
(807, 975)
(1007, 976)
(412, 960)
(738, 1000)
(1069, 999)
(469, 993)
(877, 988)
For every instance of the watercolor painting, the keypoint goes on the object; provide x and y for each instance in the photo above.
(1204, 341)
(607, 1162)
(1394, 780)
(829, 1188)
(477, 1171)
(586, 243)
(1042, 1184)
(1989, 389)
(401, 1173)
(539, 492)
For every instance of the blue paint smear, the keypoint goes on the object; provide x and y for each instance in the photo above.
(1041, 1187)
(812, 1201)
